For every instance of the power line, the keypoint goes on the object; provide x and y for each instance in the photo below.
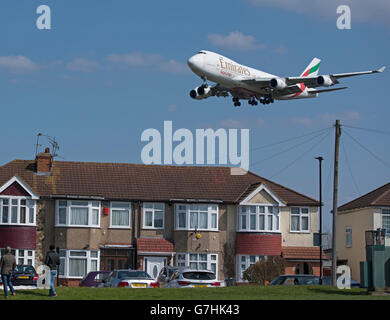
(369, 151)
(368, 129)
(349, 166)
(289, 149)
(290, 139)
(301, 156)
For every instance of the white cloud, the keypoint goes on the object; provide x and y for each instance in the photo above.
(17, 64)
(349, 116)
(373, 11)
(305, 121)
(83, 65)
(137, 59)
(235, 40)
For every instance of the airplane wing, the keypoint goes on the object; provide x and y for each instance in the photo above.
(312, 82)
(326, 90)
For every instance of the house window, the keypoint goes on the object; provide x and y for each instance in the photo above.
(77, 213)
(17, 210)
(258, 218)
(386, 220)
(196, 217)
(23, 256)
(120, 215)
(77, 263)
(153, 216)
(300, 220)
(244, 262)
(199, 261)
(348, 237)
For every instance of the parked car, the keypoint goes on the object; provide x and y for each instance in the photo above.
(24, 275)
(94, 278)
(165, 275)
(128, 278)
(327, 280)
(192, 278)
(295, 279)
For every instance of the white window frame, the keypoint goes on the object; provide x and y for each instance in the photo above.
(348, 237)
(33, 206)
(244, 261)
(183, 260)
(68, 207)
(153, 209)
(300, 215)
(25, 256)
(385, 212)
(66, 255)
(249, 211)
(112, 207)
(212, 211)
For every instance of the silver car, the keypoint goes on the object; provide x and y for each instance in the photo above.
(128, 278)
(192, 278)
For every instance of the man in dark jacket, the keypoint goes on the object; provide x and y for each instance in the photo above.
(52, 261)
(7, 266)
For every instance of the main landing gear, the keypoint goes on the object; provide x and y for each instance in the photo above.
(267, 100)
(236, 101)
(252, 101)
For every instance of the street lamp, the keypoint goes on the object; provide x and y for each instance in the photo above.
(320, 190)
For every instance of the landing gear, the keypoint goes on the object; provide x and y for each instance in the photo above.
(252, 101)
(267, 100)
(236, 101)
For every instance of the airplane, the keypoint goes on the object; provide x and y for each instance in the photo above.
(245, 83)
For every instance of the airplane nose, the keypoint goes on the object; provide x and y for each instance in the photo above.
(195, 62)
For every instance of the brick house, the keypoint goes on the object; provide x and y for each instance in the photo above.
(103, 216)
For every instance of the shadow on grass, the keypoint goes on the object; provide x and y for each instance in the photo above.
(344, 292)
(36, 293)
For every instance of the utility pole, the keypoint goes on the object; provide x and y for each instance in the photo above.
(335, 191)
(320, 191)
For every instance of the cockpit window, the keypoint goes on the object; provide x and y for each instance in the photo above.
(202, 52)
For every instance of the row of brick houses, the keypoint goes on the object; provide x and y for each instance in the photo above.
(103, 216)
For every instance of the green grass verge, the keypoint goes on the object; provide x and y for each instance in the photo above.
(250, 292)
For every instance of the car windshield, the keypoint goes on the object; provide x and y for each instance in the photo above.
(24, 269)
(133, 275)
(194, 275)
(278, 280)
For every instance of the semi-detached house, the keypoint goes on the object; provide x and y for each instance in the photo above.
(103, 216)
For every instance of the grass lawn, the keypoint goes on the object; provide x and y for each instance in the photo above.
(225, 293)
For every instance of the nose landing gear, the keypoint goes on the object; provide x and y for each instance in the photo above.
(236, 101)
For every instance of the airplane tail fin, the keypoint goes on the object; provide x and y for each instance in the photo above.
(312, 68)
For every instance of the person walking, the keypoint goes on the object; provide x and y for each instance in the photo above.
(7, 266)
(52, 260)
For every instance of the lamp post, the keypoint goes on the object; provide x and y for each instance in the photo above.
(320, 191)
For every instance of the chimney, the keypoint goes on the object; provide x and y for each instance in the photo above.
(43, 162)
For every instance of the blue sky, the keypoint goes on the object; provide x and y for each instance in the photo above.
(108, 70)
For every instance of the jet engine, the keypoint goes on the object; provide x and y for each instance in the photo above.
(278, 83)
(325, 81)
(200, 92)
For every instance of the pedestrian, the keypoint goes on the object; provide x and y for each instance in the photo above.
(52, 261)
(7, 266)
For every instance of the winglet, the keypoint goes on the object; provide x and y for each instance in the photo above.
(382, 69)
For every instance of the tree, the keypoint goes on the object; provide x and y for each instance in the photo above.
(266, 269)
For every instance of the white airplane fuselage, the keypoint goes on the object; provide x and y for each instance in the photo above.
(229, 74)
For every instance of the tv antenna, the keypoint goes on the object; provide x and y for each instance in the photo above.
(53, 142)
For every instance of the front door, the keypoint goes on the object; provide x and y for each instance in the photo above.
(153, 265)
(114, 263)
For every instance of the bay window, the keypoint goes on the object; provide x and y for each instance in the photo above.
(196, 217)
(300, 219)
(199, 261)
(255, 218)
(77, 263)
(120, 215)
(153, 215)
(77, 213)
(17, 210)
